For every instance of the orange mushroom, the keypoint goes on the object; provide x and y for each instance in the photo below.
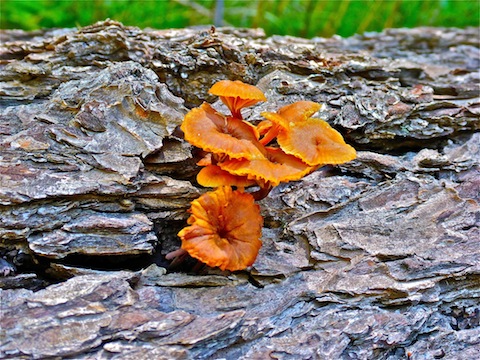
(225, 229)
(276, 168)
(299, 111)
(271, 127)
(206, 160)
(312, 140)
(315, 142)
(264, 126)
(205, 128)
(214, 176)
(237, 95)
(286, 115)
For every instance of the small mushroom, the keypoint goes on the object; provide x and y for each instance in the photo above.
(276, 168)
(206, 128)
(214, 176)
(237, 95)
(271, 127)
(225, 229)
(285, 116)
(315, 142)
(299, 111)
(312, 140)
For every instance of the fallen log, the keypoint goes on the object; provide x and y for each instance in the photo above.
(376, 258)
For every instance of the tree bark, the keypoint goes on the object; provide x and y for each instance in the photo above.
(378, 258)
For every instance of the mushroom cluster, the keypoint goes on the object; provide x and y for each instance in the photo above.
(225, 224)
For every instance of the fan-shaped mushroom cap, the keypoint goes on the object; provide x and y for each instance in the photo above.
(288, 115)
(312, 140)
(274, 119)
(214, 176)
(237, 95)
(207, 129)
(225, 229)
(278, 167)
(315, 142)
(298, 111)
(285, 117)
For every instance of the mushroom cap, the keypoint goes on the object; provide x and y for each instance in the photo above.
(225, 229)
(315, 142)
(274, 119)
(291, 114)
(278, 167)
(214, 176)
(299, 111)
(229, 88)
(207, 129)
(237, 95)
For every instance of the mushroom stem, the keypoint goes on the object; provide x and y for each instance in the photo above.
(263, 192)
(235, 108)
(177, 256)
(175, 253)
(270, 135)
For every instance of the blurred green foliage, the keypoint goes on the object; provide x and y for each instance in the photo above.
(306, 18)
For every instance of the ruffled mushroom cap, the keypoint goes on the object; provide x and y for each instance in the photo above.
(237, 95)
(225, 229)
(312, 140)
(278, 167)
(299, 111)
(284, 118)
(315, 142)
(214, 176)
(207, 129)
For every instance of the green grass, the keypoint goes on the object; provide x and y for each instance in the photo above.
(306, 18)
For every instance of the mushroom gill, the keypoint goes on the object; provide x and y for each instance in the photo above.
(206, 128)
(236, 95)
(225, 227)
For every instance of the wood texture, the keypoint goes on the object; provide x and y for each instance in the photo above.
(375, 259)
